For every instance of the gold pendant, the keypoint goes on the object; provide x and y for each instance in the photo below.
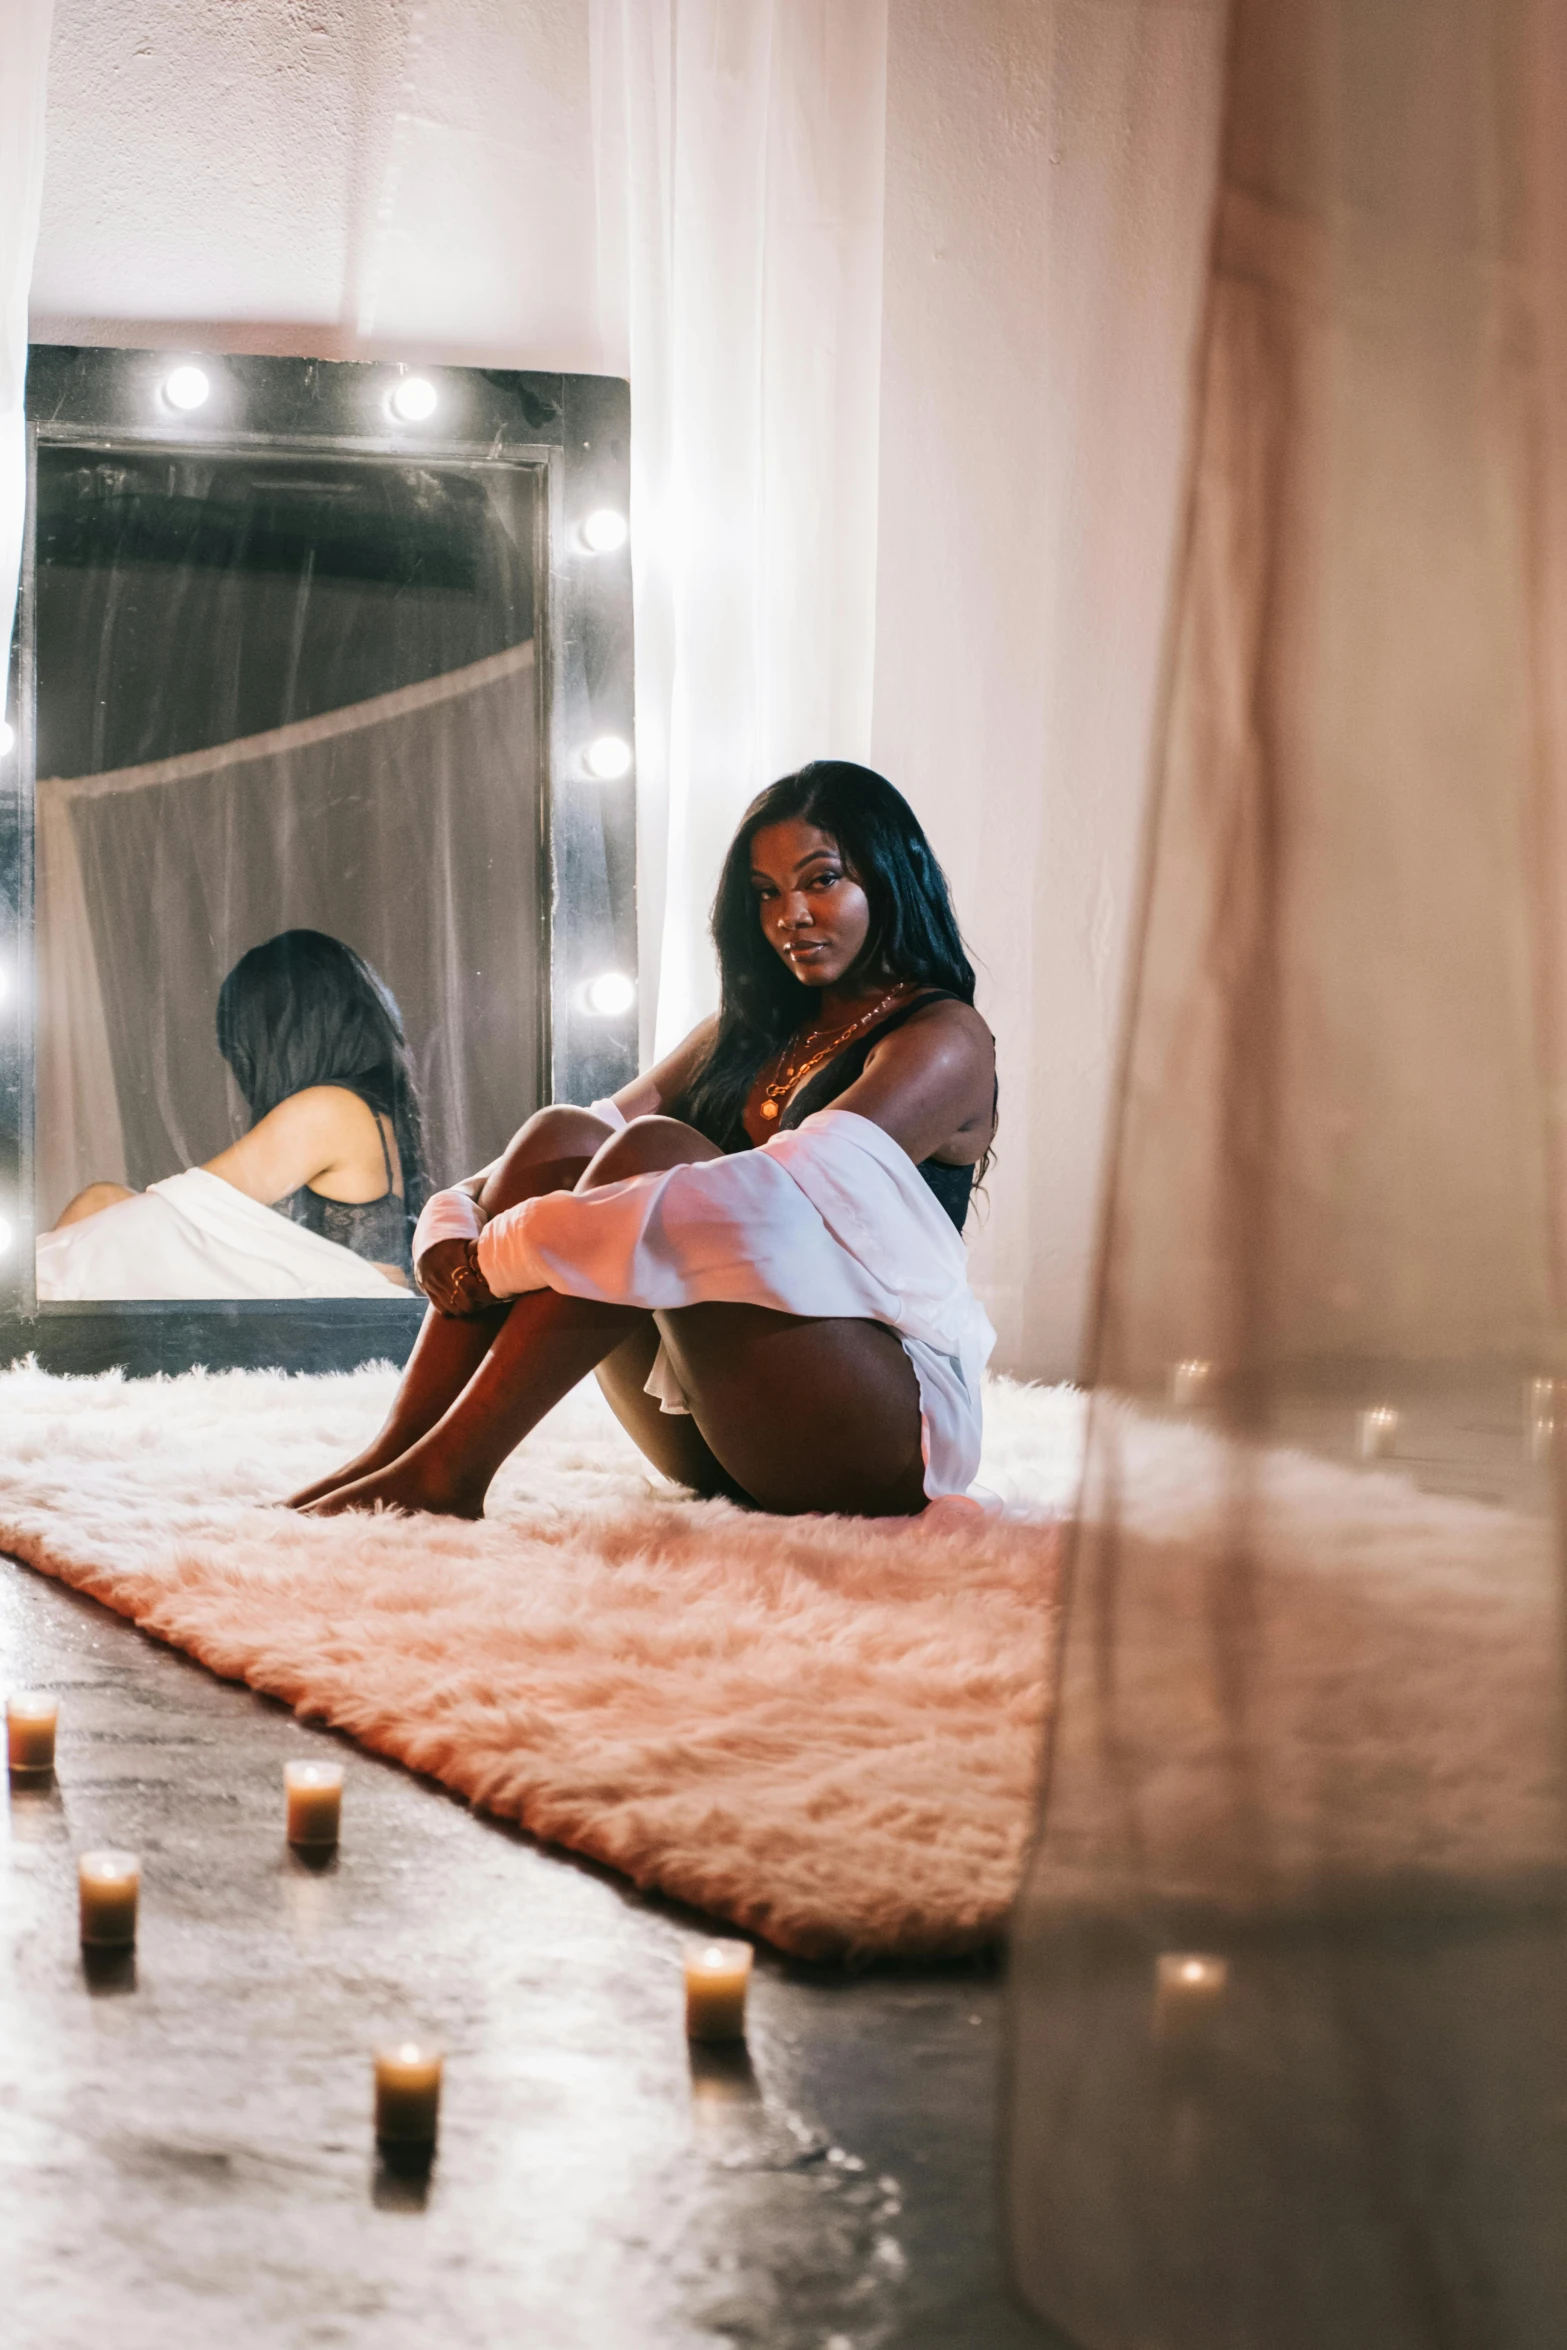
(769, 1110)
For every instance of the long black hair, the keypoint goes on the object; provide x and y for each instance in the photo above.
(304, 1009)
(913, 931)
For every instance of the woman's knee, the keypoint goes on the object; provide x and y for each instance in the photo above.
(560, 1132)
(89, 1202)
(646, 1147)
(548, 1153)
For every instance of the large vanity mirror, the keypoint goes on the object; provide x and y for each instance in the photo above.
(323, 837)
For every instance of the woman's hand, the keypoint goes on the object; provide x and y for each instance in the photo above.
(450, 1277)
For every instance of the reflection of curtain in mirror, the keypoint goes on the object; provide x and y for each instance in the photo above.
(1290, 2052)
(408, 826)
(79, 1138)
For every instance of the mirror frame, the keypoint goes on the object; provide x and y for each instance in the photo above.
(575, 431)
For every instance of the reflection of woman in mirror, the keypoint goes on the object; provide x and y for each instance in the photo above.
(776, 1304)
(316, 1046)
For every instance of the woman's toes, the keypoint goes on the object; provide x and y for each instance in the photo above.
(403, 1487)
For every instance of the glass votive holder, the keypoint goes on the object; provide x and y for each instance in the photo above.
(718, 1976)
(1376, 1432)
(1190, 1383)
(1188, 1986)
(1543, 1407)
(109, 1889)
(31, 1718)
(407, 2100)
(313, 1799)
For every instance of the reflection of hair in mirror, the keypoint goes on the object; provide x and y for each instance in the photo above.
(913, 931)
(304, 1010)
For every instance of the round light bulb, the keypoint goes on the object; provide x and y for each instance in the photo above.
(7, 736)
(413, 399)
(611, 993)
(186, 388)
(605, 531)
(5, 1238)
(608, 757)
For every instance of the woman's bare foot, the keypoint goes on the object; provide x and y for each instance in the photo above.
(368, 1463)
(411, 1483)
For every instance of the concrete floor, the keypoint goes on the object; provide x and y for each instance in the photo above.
(185, 2150)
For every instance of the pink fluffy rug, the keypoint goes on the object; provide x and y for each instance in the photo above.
(824, 1730)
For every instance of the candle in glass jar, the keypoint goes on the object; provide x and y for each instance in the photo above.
(1543, 1400)
(1376, 1432)
(314, 1795)
(1188, 1987)
(1189, 1383)
(718, 1976)
(407, 2095)
(30, 1720)
(109, 1883)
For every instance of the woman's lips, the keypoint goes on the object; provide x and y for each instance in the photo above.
(804, 949)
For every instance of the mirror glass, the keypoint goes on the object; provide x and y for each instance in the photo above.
(290, 919)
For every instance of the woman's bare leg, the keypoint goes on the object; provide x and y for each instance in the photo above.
(548, 1154)
(672, 1441)
(545, 1343)
(805, 1414)
(798, 1414)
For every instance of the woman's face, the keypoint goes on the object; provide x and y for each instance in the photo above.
(813, 911)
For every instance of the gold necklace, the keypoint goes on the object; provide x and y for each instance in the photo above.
(804, 1063)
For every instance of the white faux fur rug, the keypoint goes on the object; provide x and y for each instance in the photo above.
(825, 1730)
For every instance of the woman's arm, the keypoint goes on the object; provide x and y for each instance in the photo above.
(651, 1094)
(644, 1097)
(931, 1085)
(319, 1132)
(445, 1243)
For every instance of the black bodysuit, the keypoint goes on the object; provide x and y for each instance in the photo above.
(372, 1228)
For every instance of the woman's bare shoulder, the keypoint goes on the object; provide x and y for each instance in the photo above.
(930, 1083)
(946, 1030)
(319, 1109)
(957, 1018)
(305, 1137)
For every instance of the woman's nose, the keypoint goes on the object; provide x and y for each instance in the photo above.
(795, 913)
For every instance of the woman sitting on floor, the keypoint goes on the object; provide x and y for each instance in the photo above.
(315, 1043)
(756, 1245)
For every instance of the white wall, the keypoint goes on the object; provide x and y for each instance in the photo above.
(379, 176)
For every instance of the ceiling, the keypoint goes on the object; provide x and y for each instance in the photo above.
(336, 177)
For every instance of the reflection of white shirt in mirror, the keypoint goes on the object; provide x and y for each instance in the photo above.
(196, 1236)
(251, 1223)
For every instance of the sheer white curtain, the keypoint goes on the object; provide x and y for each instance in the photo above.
(739, 153)
(24, 61)
(1310, 1722)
